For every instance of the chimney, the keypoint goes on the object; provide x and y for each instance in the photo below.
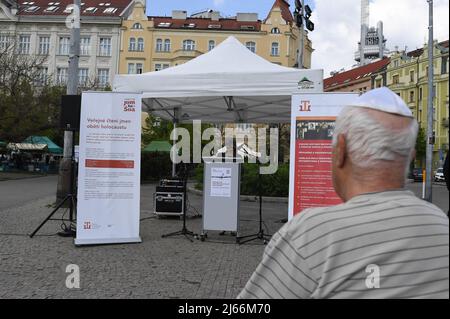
(247, 17)
(179, 14)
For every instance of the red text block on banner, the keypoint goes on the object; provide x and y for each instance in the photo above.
(92, 163)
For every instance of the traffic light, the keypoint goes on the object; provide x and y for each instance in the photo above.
(298, 5)
(308, 12)
(309, 25)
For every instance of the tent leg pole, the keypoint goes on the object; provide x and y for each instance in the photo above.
(174, 166)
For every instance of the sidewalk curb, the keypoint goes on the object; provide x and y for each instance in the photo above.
(247, 198)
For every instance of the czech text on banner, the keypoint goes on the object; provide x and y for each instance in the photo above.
(109, 168)
(312, 126)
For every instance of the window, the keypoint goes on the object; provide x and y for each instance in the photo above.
(275, 31)
(135, 68)
(61, 74)
(64, 45)
(420, 94)
(44, 45)
(140, 44)
(167, 45)
(444, 64)
(395, 63)
(189, 45)
(275, 49)
(378, 83)
(131, 68)
(85, 44)
(105, 47)
(103, 77)
(161, 66)
(83, 76)
(42, 76)
(137, 26)
(251, 46)
(411, 96)
(24, 44)
(132, 45)
(5, 40)
(159, 45)
(139, 68)
(395, 79)
(211, 45)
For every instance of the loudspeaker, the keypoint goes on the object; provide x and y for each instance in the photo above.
(70, 112)
(169, 203)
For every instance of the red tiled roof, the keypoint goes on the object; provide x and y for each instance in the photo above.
(285, 11)
(204, 23)
(418, 52)
(61, 5)
(355, 74)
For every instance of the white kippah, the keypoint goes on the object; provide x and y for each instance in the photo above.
(383, 99)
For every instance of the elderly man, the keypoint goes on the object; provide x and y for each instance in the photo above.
(382, 242)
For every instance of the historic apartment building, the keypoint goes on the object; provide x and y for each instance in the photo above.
(150, 43)
(39, 28)
(407, 75)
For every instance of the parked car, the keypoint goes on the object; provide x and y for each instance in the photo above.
(417, 174)
(439, 175)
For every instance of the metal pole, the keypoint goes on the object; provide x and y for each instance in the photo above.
(430, 109)
(72, 89)
(301, 30)
(174, 153)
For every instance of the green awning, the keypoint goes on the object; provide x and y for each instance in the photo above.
(52, 147)
(158, 146)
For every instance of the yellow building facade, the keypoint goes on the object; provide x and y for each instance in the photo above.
(407, 75)
(155, 43)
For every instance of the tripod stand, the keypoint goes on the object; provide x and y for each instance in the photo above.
(184, 231)
(71, 198)
(260, 234)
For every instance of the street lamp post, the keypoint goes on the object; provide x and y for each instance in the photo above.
(430, 109)
(302, 14)
(72, 22)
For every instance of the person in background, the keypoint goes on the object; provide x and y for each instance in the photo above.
(383, 241)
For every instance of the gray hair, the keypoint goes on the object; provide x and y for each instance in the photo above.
(371, 143)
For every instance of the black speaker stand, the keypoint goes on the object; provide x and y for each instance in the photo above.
(71, 197)
(184, 231)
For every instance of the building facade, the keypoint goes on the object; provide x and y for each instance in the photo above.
(39, 28)
(407, 75)
(150, 43)
(359, 79)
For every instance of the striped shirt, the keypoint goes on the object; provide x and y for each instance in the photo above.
(378, 245)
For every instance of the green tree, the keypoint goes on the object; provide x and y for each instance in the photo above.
(421, 147)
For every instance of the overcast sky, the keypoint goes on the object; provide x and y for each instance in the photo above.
(337, 23)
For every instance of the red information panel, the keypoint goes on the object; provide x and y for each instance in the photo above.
(313, 185)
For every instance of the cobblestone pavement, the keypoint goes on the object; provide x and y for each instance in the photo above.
(157, 268)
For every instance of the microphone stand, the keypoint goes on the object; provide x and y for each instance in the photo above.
(261, 235)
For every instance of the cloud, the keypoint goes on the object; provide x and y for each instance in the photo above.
(338, 28)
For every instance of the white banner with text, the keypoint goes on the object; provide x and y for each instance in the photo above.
(108, 207)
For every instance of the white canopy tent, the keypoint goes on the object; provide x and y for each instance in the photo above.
(226, 85)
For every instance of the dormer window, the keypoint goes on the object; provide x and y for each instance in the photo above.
(164, 25)
(275, 31)
(137, 26)
(90, 10)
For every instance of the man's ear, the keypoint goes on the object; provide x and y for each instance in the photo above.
(341, 151)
